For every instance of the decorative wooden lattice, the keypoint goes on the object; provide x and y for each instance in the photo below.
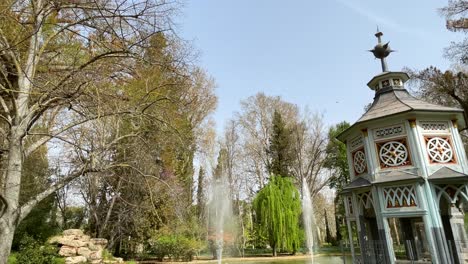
(452, 192)
(365, 199)
(434, 126)
(393, 153)
(397, 82)
(356, 142)
(389, 131)
(439, 149)
(401, 196)
(359, 162)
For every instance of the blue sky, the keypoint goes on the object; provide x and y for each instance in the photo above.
(311, 53)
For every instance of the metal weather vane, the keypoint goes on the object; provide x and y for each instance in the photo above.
(381, 51)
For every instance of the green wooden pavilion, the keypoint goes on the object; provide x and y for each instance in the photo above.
(409, 177)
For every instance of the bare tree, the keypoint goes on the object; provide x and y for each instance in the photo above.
(59, 62)
(255, 121)
(455, 14)
(309, 145)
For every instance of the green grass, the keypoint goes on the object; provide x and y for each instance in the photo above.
(12, 259)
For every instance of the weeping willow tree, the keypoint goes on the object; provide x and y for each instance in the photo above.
(277, 210)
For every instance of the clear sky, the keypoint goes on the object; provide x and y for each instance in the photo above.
(311, 53)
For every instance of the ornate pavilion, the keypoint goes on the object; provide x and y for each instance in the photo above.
(409, 173)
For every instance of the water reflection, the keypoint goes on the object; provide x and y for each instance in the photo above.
(317, 260)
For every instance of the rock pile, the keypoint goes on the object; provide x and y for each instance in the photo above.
(77, 247)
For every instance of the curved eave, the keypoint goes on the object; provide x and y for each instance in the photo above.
(458, 114)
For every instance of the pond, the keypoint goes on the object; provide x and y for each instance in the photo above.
(317, 260)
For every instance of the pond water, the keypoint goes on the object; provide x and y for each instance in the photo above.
(317, 260)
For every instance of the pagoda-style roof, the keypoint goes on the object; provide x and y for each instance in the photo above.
(392, 101)
(357, 183)
(391, 97)
(446, 173)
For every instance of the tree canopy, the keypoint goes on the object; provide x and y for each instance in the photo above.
(277, 212)
(336, 159)
(279, 149)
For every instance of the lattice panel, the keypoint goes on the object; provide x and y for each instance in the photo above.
(389, 131)
(393, 153)
(365, 199)
(397, 82)
(359, 161)
(401, 196)
(434, 126)
(453, 192)
(356, 142)
(439, 149)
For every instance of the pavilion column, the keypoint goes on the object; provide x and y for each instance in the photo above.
(384, 234)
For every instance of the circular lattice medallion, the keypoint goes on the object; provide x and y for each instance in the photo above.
(359, 161)
(439, 150)
(393, 153)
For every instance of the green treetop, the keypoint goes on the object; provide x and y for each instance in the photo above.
(336, 157)
(277, 210)
(279, 149)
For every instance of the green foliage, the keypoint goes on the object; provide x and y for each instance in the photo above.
(106, 255)
(178, 241)
(336, 160)
(74, 217)
(174, 246)
(40, 222)
(279, 150)
(336, 157)
(221, 165)
(33, 252)
(200, 194)
(277, 211)
(12, 259)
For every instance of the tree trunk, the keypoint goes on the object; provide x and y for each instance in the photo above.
(274, 251)
(9, 220)
(7, 231)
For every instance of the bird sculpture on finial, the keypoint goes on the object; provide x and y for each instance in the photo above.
(381, 51)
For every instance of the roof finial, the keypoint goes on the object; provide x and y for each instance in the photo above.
(381, 51)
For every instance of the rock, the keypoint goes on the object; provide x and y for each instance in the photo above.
(93, 247)
(95, 255)
(67, 251)
(99, 241)
(72, 242)
(113, 261)
(75, 260)
(96, 261)
(84, 251)
(85, 238)
(73, 232)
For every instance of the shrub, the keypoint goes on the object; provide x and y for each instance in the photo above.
(176, 247)
(33, 252)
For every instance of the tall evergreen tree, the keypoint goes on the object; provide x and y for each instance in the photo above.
(200, 194)
(327, 229)
(336, 157)
(337, 162)
(277, 210)
(221, 165)
(279, 149)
